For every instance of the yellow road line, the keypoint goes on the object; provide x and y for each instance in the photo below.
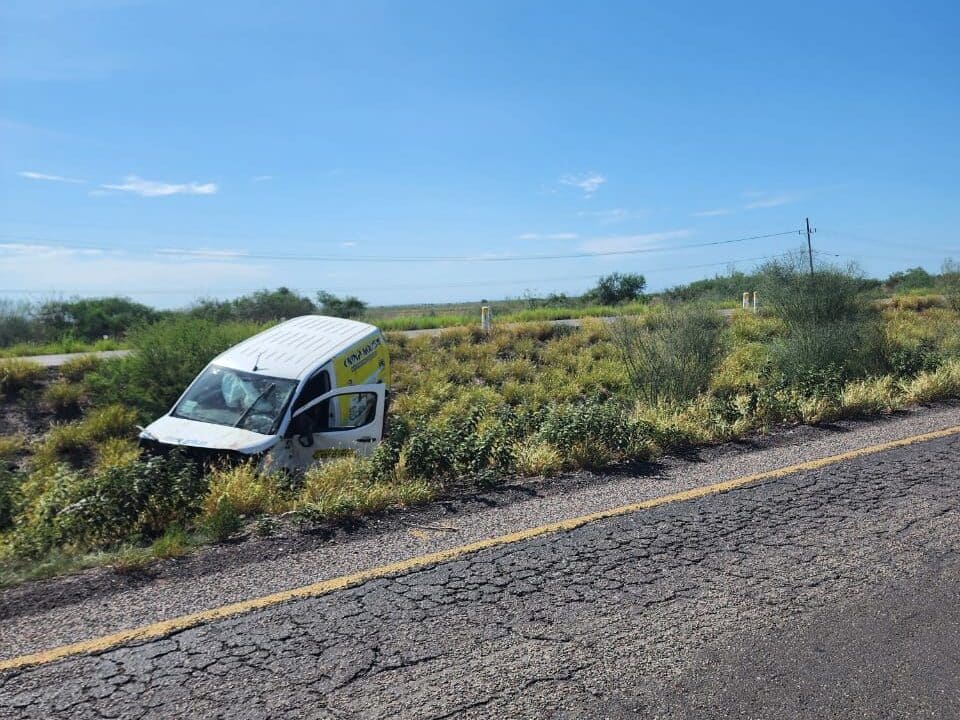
(167, 627)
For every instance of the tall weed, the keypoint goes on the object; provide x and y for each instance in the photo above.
(671, 355)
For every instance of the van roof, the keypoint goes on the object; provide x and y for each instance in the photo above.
(293, 348)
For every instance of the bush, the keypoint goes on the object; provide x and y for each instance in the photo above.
(849, 348)
(830, 325)
(743, 369)
(594, 434)
(17, 375)
(671, 355)
(115, 452)
(173, 543)
(950, 282)
(224, 521)
(166, 358)
(118, 504)
(11, 446)
(10, 482)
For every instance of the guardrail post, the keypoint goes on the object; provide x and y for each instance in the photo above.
(755, 307)
(746, 301)
(485, 318)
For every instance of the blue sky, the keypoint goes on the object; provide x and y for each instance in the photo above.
(155, 149)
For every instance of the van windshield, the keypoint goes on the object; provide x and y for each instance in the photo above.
(238, 399)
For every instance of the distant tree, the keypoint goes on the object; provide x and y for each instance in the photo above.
(347, 307)
(267, 305)
(92, 318)
(912, 279)
(949, 282)
(16, 322)
(260, 306)
(618, 288)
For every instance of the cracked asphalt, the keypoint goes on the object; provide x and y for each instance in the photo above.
(829, 593)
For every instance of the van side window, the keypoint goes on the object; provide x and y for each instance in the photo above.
(317, 385)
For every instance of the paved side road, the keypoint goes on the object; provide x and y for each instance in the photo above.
(825, 594)
(57, 360)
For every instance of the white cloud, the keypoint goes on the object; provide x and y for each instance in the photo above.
(589, 182)
(152, 188)
(83, 271)
(348, 244)
(261, 178)
(761, 199)
(627, 243)
(608, 217)
(31, 175)
(548, 236)
(713, 213)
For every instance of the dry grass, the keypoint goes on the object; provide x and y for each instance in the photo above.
(537, 459)
(941, 384)
(76, 368)
(17, 375)
(11, 446)
(64, 398)
(343, 488)
(873, 396)
(249, 491)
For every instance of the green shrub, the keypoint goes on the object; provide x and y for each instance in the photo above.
(850, 348)
(17, 375)
(115, 505)
(10, 483)
(743, 369)
(671, 355)
(950, 282)
(594, 434)
(224, 522)
(173, 543)
(830, 323)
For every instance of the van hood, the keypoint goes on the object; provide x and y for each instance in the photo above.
(191, 433)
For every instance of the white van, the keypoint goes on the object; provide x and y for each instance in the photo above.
(305, 389)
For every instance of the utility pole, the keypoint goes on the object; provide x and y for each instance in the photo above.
(810, 246)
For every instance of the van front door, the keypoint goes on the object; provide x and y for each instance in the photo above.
(345, 421)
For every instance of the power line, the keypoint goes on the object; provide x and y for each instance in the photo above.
(476, 283)
(243, 255)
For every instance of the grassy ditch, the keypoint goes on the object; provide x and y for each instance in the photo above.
(468, 410)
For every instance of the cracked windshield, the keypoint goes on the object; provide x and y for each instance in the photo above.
(230, 397)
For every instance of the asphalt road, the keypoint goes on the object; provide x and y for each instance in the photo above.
(825, 594)
(57, 360)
